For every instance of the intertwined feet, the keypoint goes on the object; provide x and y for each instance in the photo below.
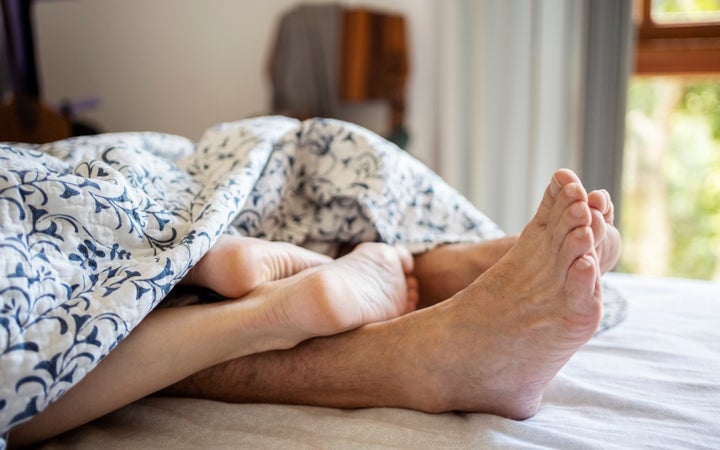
(372, 283)
(300, 294)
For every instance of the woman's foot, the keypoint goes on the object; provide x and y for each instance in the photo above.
(236, 265)
(372, 283)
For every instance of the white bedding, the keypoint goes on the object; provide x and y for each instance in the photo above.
(653, 381)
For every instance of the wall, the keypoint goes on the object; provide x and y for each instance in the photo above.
(180, 66)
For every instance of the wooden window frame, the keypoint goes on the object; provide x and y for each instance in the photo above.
(675, 49)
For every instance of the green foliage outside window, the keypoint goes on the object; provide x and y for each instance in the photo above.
(671, 181)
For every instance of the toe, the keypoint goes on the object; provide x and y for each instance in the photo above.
(413, 294)
(598, 200)
(598, 226)
(565, 176)
(601, 201)
(610, 214)
(406, 259)
(582, 287)
(576, 215)
(559, 180)
(570, 194)
(577, 243)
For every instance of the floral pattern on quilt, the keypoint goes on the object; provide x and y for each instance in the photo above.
(95, 231)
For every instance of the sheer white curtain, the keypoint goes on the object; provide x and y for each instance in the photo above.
(512, 84)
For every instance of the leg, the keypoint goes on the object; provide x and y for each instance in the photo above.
(524, 318)
(371, 283)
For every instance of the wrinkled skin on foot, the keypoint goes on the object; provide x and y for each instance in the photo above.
(495, 345)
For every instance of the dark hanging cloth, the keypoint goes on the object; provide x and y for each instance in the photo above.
(304, 66)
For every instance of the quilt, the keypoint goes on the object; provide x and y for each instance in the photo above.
(96, 231)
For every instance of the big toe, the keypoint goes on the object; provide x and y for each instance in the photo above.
(560, 180)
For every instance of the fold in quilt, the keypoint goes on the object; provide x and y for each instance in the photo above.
(95, 231)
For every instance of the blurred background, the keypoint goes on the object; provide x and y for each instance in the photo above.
(493, 95)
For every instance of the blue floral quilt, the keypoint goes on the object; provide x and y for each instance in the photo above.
(96, 231)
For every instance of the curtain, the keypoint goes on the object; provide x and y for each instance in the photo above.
(512, 96)
(610, 44)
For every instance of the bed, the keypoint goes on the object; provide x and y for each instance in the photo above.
(651, 381)
(77, 280)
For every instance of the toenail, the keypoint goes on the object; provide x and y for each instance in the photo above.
(555, 187)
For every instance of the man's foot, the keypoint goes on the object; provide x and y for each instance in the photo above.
(236, 265)
(372, 283)
(449, 268)
(496, 345)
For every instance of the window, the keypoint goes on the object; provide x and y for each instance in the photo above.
(671, 176)
(677, 37)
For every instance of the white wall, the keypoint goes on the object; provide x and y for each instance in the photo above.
(180, 66)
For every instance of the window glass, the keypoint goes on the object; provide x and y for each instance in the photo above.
(685, 11)
(671, 178)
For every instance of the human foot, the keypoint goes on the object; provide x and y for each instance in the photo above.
(495, 346)
(449, 268)
(236, 265)
(372, 283)
(606, 236)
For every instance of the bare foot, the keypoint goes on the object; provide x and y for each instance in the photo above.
(607, 237)
(495, 346)
(372, 283)
(236, 265)
(447, 269)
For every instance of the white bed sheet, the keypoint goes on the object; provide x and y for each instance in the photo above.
(653, 381)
